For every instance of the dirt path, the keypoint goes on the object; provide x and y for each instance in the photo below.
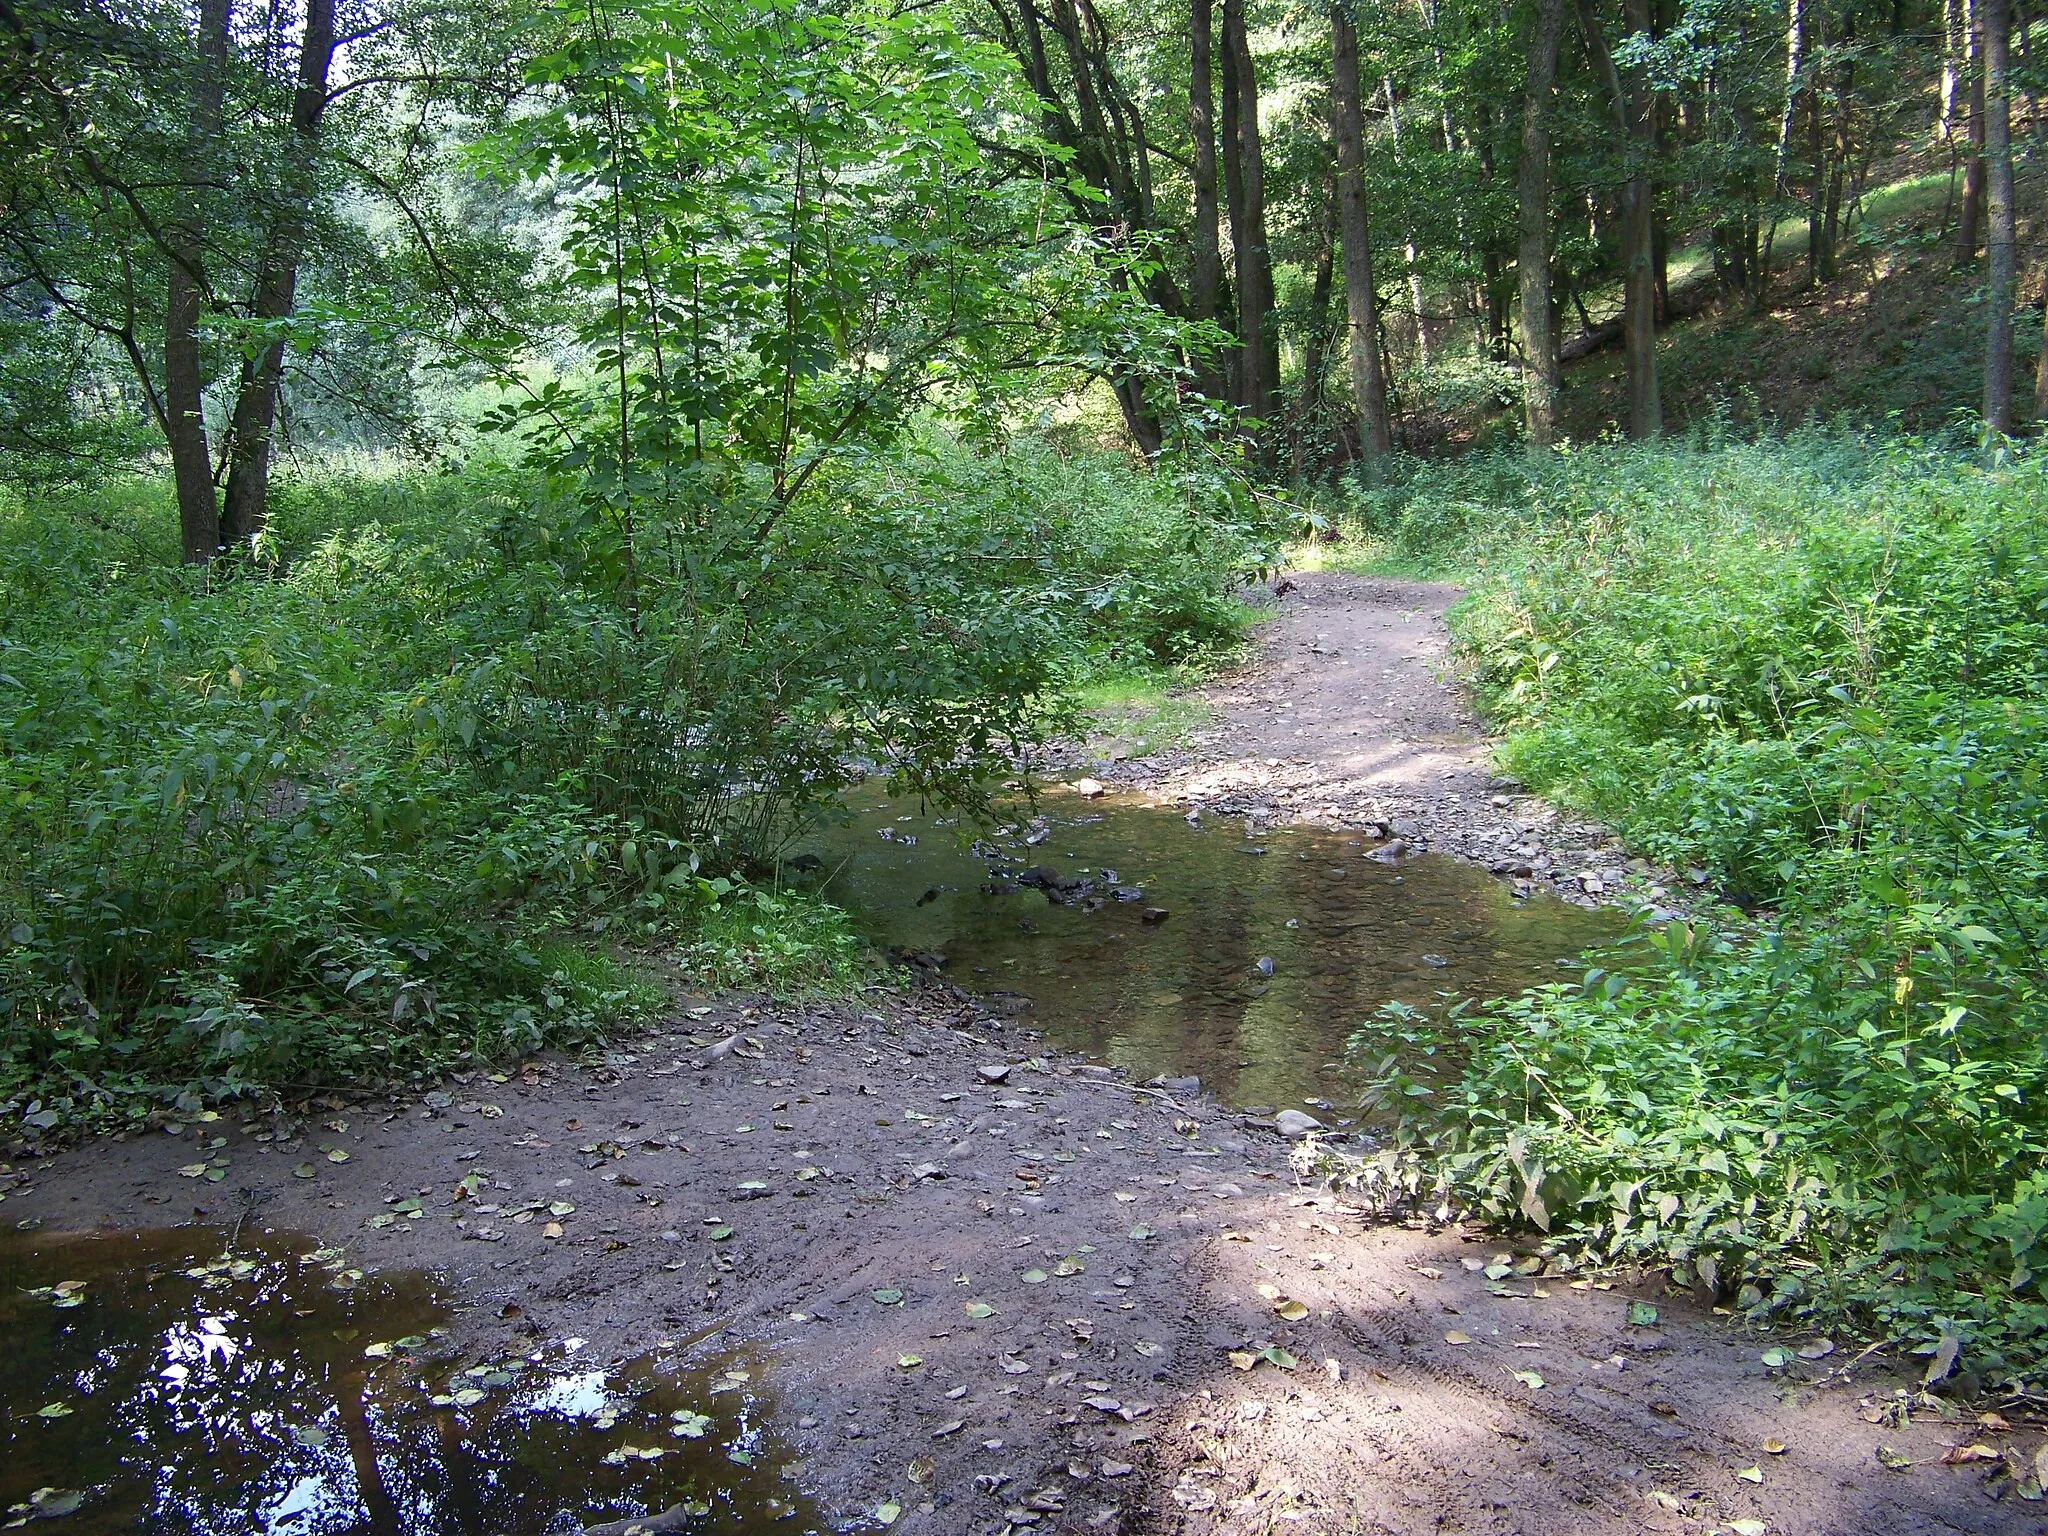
(1343, 718)
(1084, 1268)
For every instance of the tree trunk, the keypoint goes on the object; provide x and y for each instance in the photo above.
(1998, 234)
(1954, 46)
(184, 383)
(1795, 85)
(1308, 400)
(247, 504)
(1817, 255)
(1256, 328)
(1532, 197)
(1361, 302)
(2041, 364)
(1970, 218)
(1416, 309)
(1634, 118)
(1205, 279)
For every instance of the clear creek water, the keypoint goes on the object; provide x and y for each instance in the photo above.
(1095, 966)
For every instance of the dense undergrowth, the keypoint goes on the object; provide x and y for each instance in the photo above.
(435, 778)
(1815, 670)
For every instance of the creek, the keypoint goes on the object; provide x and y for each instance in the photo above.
(1179, 946)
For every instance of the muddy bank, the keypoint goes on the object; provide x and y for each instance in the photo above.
(1056, 1301)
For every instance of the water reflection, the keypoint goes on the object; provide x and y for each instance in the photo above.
(155, 1383)
(1058, 918)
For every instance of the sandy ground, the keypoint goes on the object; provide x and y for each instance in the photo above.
(1128, 1313)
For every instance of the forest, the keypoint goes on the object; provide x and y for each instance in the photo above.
(480, 480)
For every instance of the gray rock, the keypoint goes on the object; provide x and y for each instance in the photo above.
(1293, 1123)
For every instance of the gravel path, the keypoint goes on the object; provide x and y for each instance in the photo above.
(1346, 717)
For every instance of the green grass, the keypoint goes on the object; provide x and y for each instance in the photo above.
(1143, 711)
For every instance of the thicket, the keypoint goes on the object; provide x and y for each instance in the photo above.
(1811, 670)
(398, 792)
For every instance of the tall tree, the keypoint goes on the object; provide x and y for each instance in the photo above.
(1970, 217)
(1532, 199)
(246, 506)
(186, 284)
(1257, 326)
(1998, 234)
(1205, 277)
(1361, 302)
(1634, 114)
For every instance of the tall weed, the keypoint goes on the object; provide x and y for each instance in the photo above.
(1813, 670)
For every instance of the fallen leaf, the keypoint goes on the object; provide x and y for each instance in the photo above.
(552, 1230)
(1774, 1447)
(1530, 1380)
(1642, 1315)
(192, 1171)
(54, 1411)
(689, 1424)
(1457, 1336)
(920, 1469)
(909, 1362)
(1293, 1311)
(304, 1171)
(1069, 1266)
(1033, 1277)
(1962, 1455)
(1748, 1527)
(1887, 1457)
(336, 1155)
(979, 1309)
(887, 1296)
(1750, 1474)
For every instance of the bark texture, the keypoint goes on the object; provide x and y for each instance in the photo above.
(1998, 233)
(184, 378)
(1532, 198)
(1361, 302)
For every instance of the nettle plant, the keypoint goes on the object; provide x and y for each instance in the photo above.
(789, 233)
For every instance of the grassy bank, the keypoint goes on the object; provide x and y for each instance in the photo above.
(1813, 669)
(430, 782)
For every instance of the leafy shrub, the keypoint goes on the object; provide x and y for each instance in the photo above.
(1813, 668)
(329, 820)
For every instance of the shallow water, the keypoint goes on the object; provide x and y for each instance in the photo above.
(167, 1385)
(1184, 994)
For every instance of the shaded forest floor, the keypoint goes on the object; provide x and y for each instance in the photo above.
(1897, 332)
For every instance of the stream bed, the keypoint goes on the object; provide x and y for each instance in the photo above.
(1176, 946)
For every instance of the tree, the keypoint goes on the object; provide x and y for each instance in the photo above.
(1998, 235)
(1245, 179)
(1532, 197)
(1633, 110)
(178, 178)
(1361, 302)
